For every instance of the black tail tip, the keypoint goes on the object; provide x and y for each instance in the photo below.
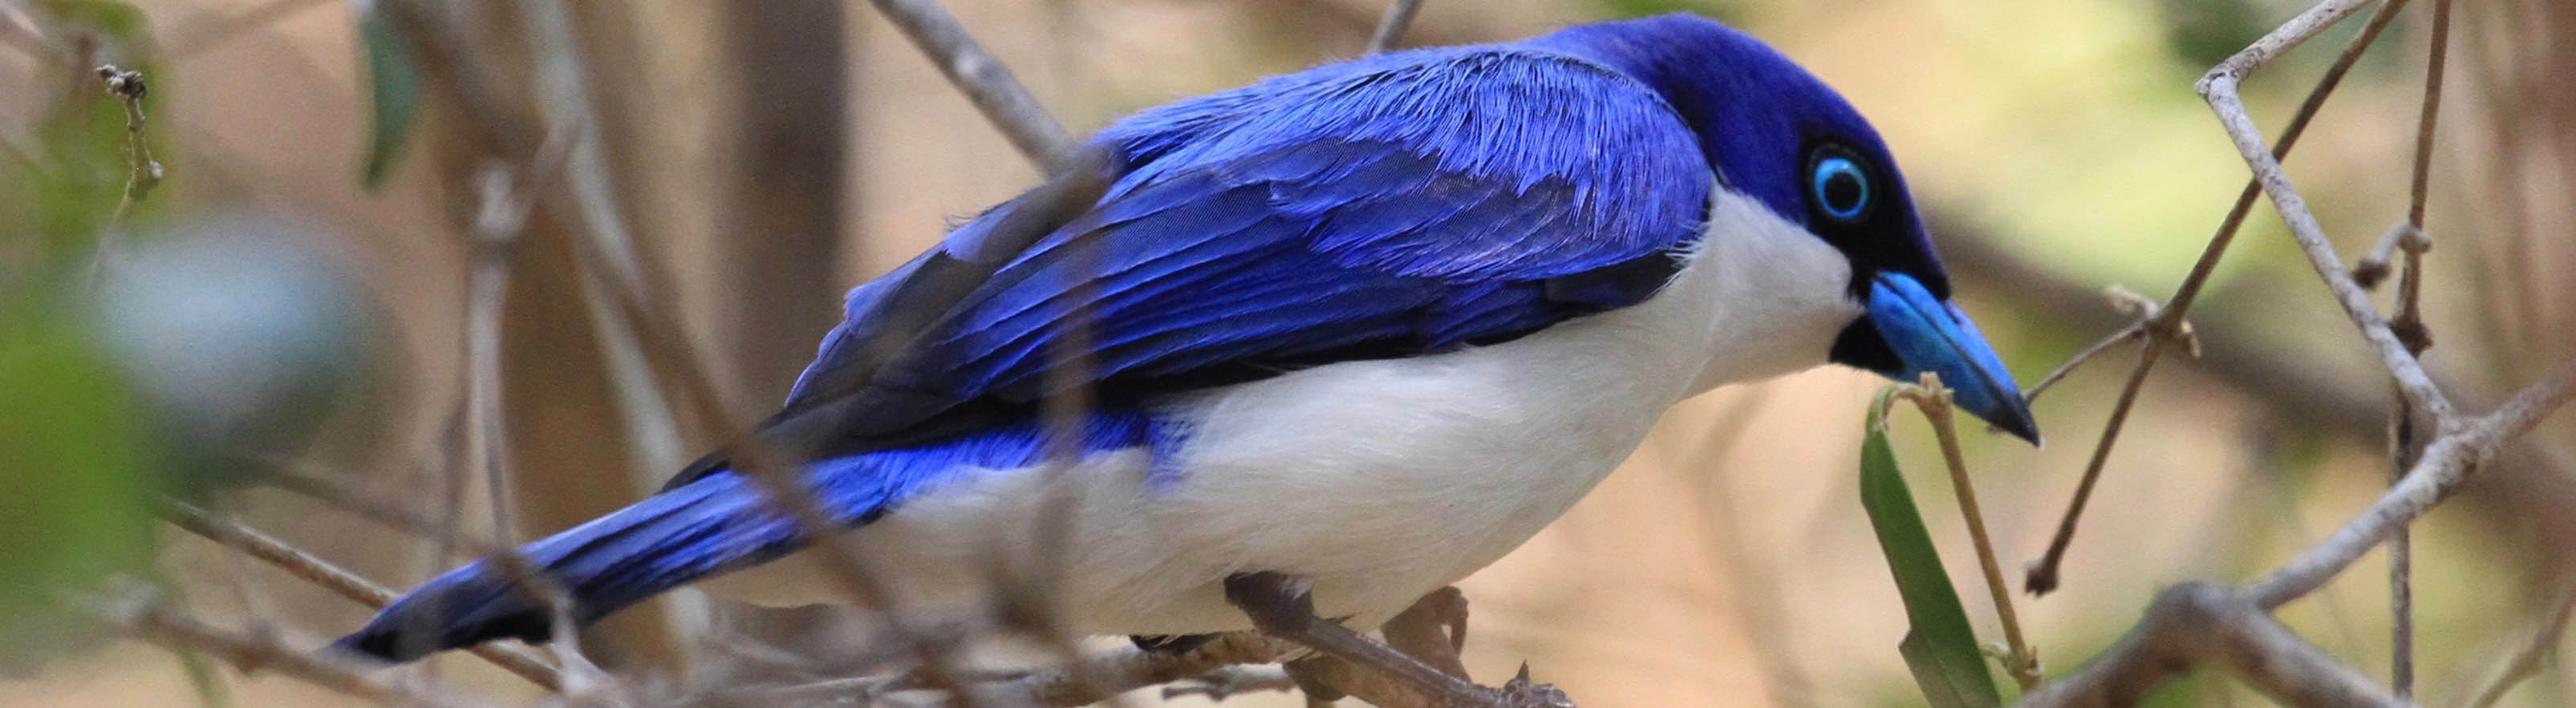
(395, 639)
(375, 646)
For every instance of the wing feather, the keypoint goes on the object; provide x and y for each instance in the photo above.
(1390, 206)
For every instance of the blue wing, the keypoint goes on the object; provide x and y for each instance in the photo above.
(1401, 204)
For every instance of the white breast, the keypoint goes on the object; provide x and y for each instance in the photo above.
(1380, 480)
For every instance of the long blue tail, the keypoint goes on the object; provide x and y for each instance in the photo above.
(716, 524)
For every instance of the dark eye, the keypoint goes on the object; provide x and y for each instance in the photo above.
(1839, 186)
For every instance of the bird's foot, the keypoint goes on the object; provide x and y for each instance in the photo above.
(1521, 692)
(1434, 630)
(1281, 606)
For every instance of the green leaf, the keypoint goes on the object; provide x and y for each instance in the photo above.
(393, 90)
(1939, 647)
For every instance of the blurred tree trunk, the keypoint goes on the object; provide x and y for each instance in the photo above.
(790, 134)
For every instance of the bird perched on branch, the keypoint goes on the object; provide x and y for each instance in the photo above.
(1345, 336)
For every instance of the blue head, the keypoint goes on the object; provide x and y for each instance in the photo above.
(1776, 134)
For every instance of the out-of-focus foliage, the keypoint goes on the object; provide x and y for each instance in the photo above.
(205, 337)
(2205, 32)
(77, 465)
(79, 459)
(239, 332)
(56, 197)
(393, 86)
(1939, 646)
(114, 18)
(1722, 10)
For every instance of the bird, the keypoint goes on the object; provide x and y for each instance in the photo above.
(1344, 336)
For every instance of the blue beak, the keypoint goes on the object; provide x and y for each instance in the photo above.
(1929, 334)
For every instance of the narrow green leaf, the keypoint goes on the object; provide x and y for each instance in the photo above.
(1939, 647)
(393, 90)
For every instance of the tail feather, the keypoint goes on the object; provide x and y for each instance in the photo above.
(715, 524)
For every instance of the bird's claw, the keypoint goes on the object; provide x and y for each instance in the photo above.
(1520, 692)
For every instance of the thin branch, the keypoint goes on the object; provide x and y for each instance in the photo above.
(313, 569)
(321, 485)
(2193, 623)
(143, 172)
(2197, 623)
(1934, 400)
(2403, 452)
(2148, 314)
(2373, 267)
(1229, 681)
(2444, 468)
(2287, 670)
(2041, 575)
(1089, 681)
(2135, 330)
(2403, 449)
(1399, 15)
(986, 82)
(2219, 88)
(251, 653)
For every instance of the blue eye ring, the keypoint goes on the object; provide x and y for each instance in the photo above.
(1839, 186)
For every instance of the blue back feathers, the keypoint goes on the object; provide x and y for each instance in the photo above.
(1398, 204)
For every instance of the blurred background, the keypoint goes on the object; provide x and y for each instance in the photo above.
(760, 158)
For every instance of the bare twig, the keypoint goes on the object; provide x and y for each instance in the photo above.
(2219, 88)
(2135, 330)
(1399, 15)
(2118, 677)
(2134, 304)
(143, 172)
(2445, 466)
(985, 81)
(150, 620)
(502, 215)
(1229, 681)
(2198, 623)
(2179, 633)
(307, 480)
(2373, 267)
(313, 569)
(2040, 576)
(1934, 400)
(2403, 427)
(1081, 683)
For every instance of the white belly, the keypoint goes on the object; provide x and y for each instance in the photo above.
(1378, 480)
